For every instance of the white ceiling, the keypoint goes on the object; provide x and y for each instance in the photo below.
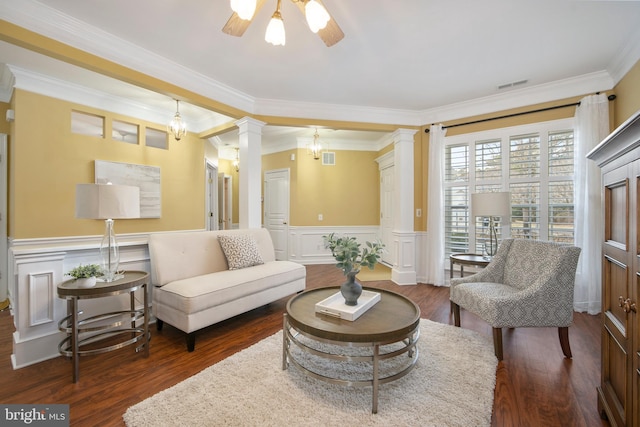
(407, 62)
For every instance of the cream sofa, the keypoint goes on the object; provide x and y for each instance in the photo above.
(194, 286)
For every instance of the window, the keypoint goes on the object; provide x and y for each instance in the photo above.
(156, 138)
(533, 162)
(125, 132)
(87, 124)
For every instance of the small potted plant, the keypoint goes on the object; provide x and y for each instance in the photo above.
(86, 275)
(351, 256)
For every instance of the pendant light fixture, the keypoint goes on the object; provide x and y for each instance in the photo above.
(275, 30)
(177, 127)
(244, 8)
(317, 16)
(315, 148)
(236, 161)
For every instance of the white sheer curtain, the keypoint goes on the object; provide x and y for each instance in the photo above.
(591, 127)
(435, 216)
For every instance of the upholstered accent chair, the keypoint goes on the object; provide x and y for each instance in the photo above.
(528, 283)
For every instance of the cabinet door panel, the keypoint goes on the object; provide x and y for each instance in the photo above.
(617, 274)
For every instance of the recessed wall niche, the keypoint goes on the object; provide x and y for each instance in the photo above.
(87, 124)
(125, 132)
(156, 138)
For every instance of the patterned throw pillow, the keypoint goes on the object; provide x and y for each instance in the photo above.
(241, 251)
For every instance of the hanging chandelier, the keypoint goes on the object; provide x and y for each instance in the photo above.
(236, 161)
(177, 127)
(315, 148)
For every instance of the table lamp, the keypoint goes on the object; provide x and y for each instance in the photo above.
(491, 205)
(108, 202)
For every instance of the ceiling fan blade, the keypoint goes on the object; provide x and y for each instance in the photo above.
(331, 34)
(236, 26)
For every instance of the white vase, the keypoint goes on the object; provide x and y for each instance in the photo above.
(86, 282)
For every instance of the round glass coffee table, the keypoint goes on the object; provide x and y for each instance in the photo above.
(387, 330)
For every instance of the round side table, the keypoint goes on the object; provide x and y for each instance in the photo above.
(105, 325)
(466, 259)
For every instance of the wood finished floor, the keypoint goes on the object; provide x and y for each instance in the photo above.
(535, 384)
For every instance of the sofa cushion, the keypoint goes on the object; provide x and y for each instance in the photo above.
(241, 251)
(202, 292)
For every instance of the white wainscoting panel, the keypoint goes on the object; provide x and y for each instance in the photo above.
(37, 266)
(41, 290)
(306, 244)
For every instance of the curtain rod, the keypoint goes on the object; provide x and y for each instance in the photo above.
(610, 98)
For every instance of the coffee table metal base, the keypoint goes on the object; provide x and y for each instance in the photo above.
(290, 336)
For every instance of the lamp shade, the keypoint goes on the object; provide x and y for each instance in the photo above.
(491, 204)
(317, 15)
(107, 201)
(275, 30)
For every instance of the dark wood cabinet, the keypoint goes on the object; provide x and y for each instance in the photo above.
(619, 158)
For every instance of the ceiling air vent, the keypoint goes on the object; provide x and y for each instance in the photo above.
(329, 158)
(512, 84)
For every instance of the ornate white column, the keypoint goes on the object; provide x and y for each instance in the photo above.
(250, 141)
(404, 236)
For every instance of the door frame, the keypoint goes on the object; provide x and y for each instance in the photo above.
(211, 195)
(4, 258)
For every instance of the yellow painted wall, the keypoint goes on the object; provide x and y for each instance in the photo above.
(627, 91)
(226, 167)
(47, 161)
(4, 125)
(347, 194)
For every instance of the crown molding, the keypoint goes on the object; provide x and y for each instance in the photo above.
(561, 89)
(59, 89)
(339, 112)
(7, 81)
(49, 22)
(54, 24)
(626, 58)
(31, 81)
(343, 144)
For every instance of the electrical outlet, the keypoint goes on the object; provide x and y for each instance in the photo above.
(418, 213)
(320, 218)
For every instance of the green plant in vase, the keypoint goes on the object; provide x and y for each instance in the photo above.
(351, 257)
(86, 275)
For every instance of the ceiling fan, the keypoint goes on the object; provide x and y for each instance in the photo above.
(319, 20)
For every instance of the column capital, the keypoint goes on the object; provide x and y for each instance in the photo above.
(248, 123)
(401, 135)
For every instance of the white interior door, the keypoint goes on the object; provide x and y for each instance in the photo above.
(225, 206)
(386, 214)
(276, 210)
(211, 196)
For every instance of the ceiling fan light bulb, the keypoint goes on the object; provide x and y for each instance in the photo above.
(275, 30)
(317, 16)
(244, 8)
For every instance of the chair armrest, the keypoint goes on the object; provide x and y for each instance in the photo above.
(493, 272)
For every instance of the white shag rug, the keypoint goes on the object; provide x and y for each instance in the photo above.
(452, 384)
